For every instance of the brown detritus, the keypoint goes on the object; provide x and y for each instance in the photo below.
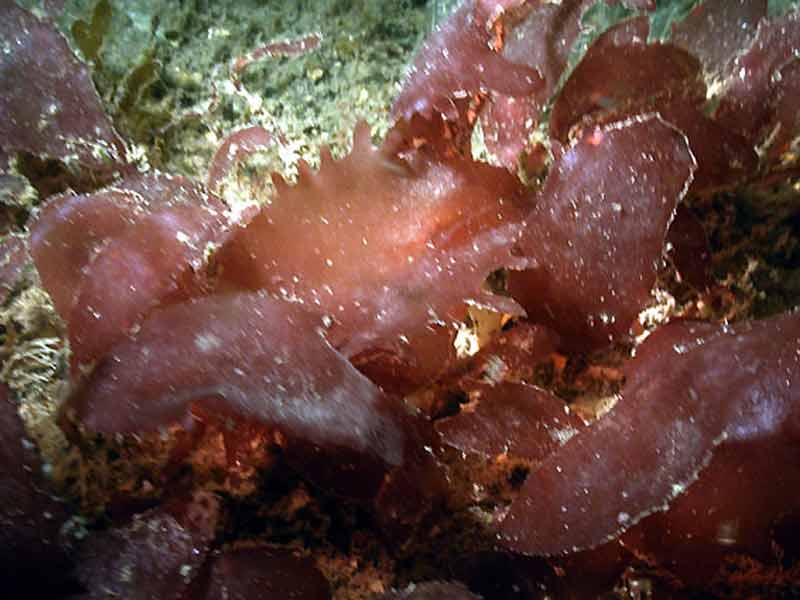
(14, 260)
(17, 198)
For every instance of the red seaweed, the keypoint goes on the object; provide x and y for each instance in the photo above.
(432, 591)
(326, 242)
(60, 254)
(48, 104)
(30, 515)
(724, 158)
(733, 520)
(621, 75)
(691, 387)
(541, 41)
(744, 107)
(345, 290)
(612, 77)
(458, 62)
(516, 577)
(234, 149)
(157, 555)
(142, 233)
(716, 30)
(246, 355)
(784, 124)
(506, 123)
(688, 249)
(147, 261)
(71, 230)
(517, 419)
(294, 47)
(406, 366)
(263, 574)
(597, 232)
